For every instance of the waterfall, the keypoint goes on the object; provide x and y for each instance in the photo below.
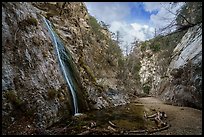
(63, 58)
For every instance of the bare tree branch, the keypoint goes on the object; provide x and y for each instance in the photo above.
(177, 15)
(173, 23)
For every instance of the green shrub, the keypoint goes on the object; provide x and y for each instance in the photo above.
(32, 21)
(192, 11)
(114, 48)
(155, 47)
(27, 22)
(146, 88)
(94, 23)
(136, 69)
(45, 54)
(51, 93)
(143, 46)
(121, 62)
(96, 28)
(11, 97)
(88, 71)
(51, 14)
(30, 112)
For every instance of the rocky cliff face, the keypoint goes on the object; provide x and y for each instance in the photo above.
(173, 73)
(184, 85)
(32, 83)
(150, 72)
(155, 56)
(34, 91)
(92, 50)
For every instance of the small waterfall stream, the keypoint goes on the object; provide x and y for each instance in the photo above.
(64, 57)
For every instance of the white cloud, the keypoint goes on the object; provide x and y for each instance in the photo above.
(152, 6)
(131, 31)
(108, 11)
(114, 13)
(163, 17)
(142, 32)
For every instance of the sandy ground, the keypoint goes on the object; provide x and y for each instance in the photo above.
(183, 120)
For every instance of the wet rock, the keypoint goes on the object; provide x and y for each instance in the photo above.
(101, 103)
(30, 66)
(24, 69)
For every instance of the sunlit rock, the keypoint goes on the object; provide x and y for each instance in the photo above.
(185, 71)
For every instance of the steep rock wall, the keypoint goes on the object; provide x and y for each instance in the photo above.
(150, 72)
(175, 76)
(32, 82)
(184, 85)
(90, 46)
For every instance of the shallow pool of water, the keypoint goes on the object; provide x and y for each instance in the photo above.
(128, 117)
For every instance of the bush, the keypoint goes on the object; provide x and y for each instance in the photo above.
(114, 48)
(93, 23)
(192, 11)
(146, 88)
(32, 21)
(155, 47)
(96, 29)
(143, 46)
(121, 62)
(27, 22)
(11, 97)
(137, 67)
(52, 12)
(51, 93)
(136, 70)
(89, 72)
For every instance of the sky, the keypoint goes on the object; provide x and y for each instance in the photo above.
(134, 19)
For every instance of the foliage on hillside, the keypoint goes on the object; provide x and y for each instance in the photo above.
(128, 67)
(95, 28)
(191, 13)
(104, 54)
(161, 47)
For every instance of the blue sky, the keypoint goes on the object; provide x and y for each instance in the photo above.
(138, 13)
(133, 19)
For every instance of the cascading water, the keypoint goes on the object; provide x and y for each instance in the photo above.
(64, 57)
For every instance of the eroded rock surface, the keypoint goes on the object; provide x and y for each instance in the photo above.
(32, 82)
(184, 86)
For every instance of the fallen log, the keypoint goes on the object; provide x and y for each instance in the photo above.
(137, 131)
(112, 124)
(85, 132)
(159, 129)
(97, 130)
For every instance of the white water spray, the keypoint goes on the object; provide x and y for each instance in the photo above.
(68, 79)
